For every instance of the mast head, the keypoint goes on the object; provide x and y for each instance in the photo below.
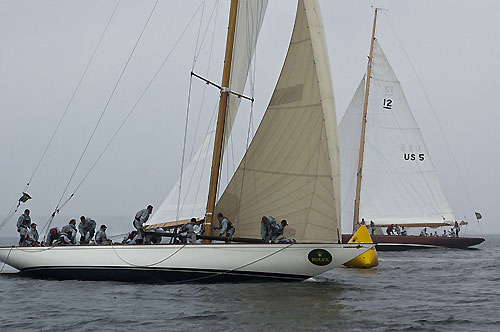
(381, 8)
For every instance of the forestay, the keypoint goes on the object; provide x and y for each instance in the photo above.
(196, 176)
(290, 170)
(400, 184)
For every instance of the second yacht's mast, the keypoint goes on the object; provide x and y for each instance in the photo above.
(363, 128)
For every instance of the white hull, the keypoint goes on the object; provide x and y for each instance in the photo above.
(179, 263)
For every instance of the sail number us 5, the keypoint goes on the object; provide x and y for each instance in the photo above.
(414, 156)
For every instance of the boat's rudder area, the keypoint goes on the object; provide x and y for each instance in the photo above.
(369, 258)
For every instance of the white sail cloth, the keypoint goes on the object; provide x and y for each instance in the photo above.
(349, 132)
(290, 170)
(400, 184)
(249, 18)
(196, 176)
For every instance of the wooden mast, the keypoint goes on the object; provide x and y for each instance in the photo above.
(363, 128)
(221, 119)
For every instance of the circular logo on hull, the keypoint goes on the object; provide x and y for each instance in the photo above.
(319, 257)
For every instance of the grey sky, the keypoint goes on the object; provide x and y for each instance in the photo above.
(46, 45)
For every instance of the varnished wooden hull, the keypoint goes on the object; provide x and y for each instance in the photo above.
(398, 242)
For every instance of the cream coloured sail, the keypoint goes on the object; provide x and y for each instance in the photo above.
(400, 184)
(196, 176)
(290, 170)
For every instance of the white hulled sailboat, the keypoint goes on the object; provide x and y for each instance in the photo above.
(388, 176)
(290, 170)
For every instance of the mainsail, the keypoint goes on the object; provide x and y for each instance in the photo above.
(290, 170)
(194, 192)
(400, 184)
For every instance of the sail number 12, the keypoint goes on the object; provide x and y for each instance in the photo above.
(387, 103)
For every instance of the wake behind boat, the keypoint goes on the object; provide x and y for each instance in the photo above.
(290, 170)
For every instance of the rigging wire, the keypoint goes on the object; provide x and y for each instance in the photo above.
(13, 210)
(435, 117)
(10, 214)
(56, 210)
(202, 103)
(216, 11)
(133, 108)
(187, 113)
(74, 93)
(137, 102)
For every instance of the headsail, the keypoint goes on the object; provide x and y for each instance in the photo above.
(349, 136)
(194, 192)
(290, 170)
(400, 183)
(250, 15)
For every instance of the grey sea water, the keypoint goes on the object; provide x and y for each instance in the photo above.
(426, 290)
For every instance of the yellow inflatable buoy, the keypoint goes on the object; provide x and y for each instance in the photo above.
(369, 258)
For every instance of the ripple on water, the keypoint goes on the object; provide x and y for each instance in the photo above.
(427, 290)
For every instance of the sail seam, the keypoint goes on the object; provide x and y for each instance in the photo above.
(286, 173)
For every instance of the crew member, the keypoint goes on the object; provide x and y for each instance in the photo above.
(52, 236)
(457, 228)
(100, 237)
(129, 237)
(68, 233)
(23, 225)
(140, 218)
(268, 229)
(274, 228)
(397, 230)
(403, 231)
(156, 239)
(225, 225)
(390, 229)
(373, 227)
(32, 236)
(281, 229)
(189, 229)
(86, 227)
